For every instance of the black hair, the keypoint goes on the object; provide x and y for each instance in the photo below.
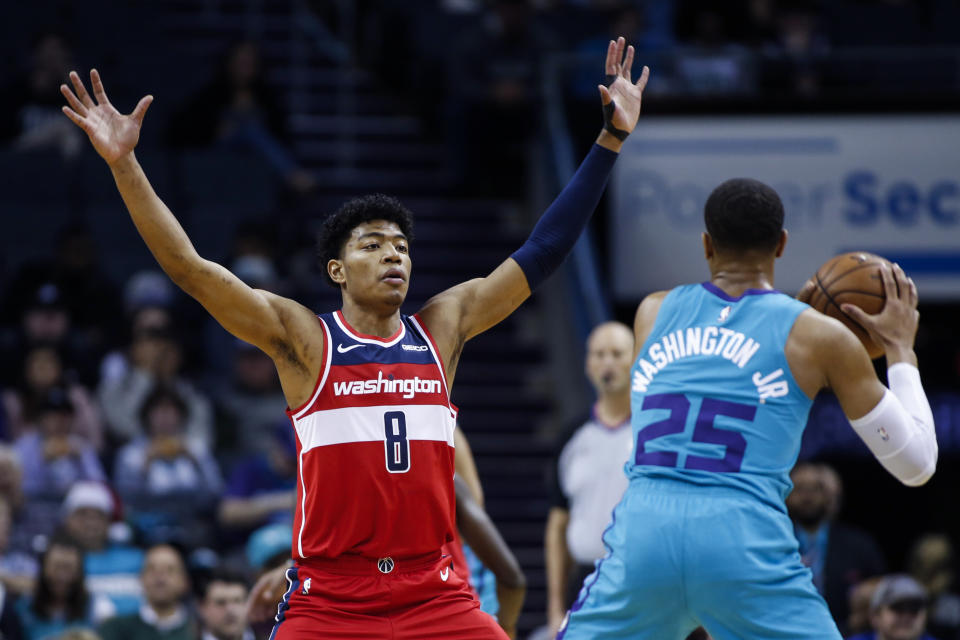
(743, 214)
(223, 575)
(160, 394)
(337, 227)
(78, 599)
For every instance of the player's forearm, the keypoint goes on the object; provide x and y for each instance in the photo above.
(561, 224)
(609, 141)
(511, 604)
(155, 223)
(557, 564)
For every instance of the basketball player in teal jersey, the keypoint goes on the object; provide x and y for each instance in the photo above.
(722, 383)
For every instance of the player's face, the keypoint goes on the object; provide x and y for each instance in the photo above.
(609, 356)
(375, 263)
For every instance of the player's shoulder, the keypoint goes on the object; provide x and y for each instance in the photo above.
(646, 315)
(815, 329)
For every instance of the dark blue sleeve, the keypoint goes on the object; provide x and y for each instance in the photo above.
(561, 224)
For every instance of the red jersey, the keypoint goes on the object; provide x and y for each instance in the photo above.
(375, 447)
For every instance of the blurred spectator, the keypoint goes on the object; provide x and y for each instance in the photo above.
(78, 634)
(495, 81)
(43, 320)
(156, 357)
(17, 568)
(251, 400)
(60, 600)
(861, 595)
(168, 483)
(898, 610)
(31, 116)
(112, 567)
(793, 61)
(588, 477)
(838, 555)
(55, 456)
(222, 607)
(238, 109)
(43, 371)
(931, 563)
(163, 613)
(711, 63)
(143, 320)
(72, 279)
(262, 488)
(268, 547)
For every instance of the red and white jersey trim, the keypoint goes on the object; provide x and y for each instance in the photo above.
(367, 339)
(322, 378)
(415, 319)
(365, 424)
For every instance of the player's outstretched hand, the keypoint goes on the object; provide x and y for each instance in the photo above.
(895, 327)
(266, 594)
(621, 96)
(113, 134)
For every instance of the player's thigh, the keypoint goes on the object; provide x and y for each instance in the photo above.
(745, 579)
(445, 608)
(307, 617)
(636, 590)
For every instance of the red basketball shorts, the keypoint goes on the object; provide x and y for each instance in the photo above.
(414, 599)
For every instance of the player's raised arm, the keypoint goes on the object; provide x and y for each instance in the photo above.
(477, 305)
(895, 423)
(254, 316)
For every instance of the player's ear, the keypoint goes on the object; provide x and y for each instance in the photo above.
(335, 270)
(708, 249)
(782, 243)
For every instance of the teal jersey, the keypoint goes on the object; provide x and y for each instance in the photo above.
(713, 400)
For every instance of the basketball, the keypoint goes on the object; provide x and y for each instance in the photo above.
(851, 278)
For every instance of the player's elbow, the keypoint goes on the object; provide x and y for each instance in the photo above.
(924, 476)
(513, 579)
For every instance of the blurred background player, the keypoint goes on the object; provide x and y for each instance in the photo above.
(588, 473)
(365, 249)
(747, 361)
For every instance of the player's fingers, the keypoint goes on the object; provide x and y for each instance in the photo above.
(889, 285)
(902, 281)
(806, 291)
(858, 314)
(610, 67)
(141, 109)
(628, 62)
(73, 115)
(97, 85)
(75, 104)
(81, 90)
(912, 297)
(644, 76)
(605, 96)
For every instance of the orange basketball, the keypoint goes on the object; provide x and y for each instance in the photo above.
(851, 278)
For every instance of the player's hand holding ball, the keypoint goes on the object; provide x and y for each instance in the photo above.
(873, 297)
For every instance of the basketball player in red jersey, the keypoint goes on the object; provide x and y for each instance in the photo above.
(369, 386)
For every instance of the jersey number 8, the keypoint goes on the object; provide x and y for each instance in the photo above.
(396, 446)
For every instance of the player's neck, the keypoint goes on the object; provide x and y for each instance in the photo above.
(734, 276)
(613, 409)
(382, 323)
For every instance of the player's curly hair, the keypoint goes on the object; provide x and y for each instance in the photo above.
(743, 214)
(337, 227)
